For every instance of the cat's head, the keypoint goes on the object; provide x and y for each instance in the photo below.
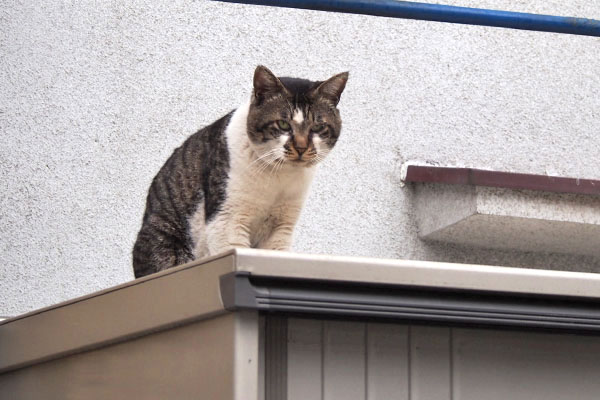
(294, 121)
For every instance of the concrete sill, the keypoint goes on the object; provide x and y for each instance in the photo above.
(507, 210)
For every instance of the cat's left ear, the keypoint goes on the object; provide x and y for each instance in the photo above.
(332, 88)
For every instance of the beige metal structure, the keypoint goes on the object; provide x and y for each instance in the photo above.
(252, 324)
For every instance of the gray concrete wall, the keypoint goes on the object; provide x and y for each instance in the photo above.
(95, 98)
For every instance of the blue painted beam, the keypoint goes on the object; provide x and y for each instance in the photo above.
(443, 13)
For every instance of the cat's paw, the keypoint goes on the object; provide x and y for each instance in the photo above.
(227, 247)
(281, 247)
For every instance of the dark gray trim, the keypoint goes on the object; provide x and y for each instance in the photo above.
(237, 291)
(329, 298)
(276, 336)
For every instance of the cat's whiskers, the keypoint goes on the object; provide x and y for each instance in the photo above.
(265, 158)
(320, 156)
(261, 168)
(268, 160)
(275, 167)
(279, 165)
(262, 157)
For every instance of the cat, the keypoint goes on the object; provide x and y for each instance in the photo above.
(241, 181)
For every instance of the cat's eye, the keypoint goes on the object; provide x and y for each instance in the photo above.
(284, 125)
(317, 128)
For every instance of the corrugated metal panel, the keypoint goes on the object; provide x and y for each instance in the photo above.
(387, 362)
(305, 359)
(347, 360)
(499, 365)
(276, 335)
(372, 361)
(262, 321)
(430, 363)
(344, 360)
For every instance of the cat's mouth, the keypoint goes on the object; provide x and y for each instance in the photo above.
(302, 160)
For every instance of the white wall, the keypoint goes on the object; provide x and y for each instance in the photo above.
(94, 99)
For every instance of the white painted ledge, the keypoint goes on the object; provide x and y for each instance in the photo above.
(509, 219)
(503, 210)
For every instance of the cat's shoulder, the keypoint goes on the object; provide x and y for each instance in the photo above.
(216, 127)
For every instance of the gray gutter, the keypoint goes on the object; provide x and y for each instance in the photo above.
(326, 298)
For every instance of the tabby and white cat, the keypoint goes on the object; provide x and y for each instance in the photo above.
(241, 181)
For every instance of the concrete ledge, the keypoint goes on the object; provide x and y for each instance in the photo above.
(506, 210)
(504, 218)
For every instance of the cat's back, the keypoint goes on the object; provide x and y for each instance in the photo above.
(193, 176)
(201, 158)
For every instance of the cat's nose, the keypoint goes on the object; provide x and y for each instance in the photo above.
(300, 150)
(300, 143)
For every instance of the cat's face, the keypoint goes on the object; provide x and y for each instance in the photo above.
(294, 121)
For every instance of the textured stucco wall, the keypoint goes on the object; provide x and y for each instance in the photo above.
(94, 99)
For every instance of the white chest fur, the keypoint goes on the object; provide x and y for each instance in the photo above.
(262, 202)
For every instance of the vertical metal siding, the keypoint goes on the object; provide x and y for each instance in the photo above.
(330, 360)
(305, 359)
(344, 361)
(262, 322)
(430, 363)
(499, 365)
(371, 361)
(387, 362)
(276, 362)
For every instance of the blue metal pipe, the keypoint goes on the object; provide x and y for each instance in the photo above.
(443, 13)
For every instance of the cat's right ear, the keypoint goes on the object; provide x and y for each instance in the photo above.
(266, 83)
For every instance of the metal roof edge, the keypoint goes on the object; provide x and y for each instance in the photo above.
(330, 299)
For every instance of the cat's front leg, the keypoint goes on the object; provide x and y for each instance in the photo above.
(280, 237)
(227, 232)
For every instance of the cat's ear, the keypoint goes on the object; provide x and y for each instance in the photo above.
(266, 83)
(332, 88)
